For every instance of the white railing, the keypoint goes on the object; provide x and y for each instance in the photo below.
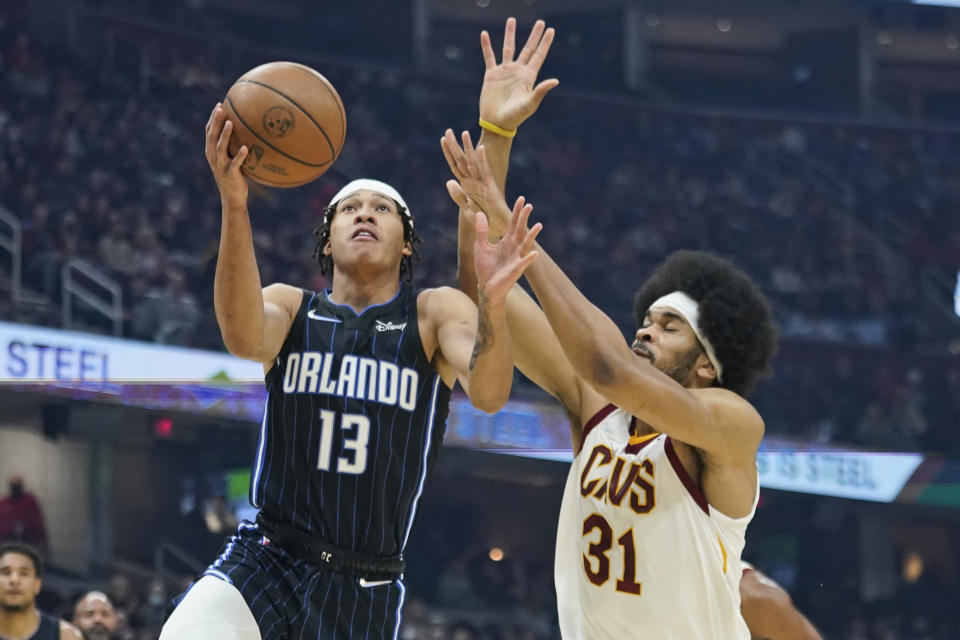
(11, 240)
(109, 305)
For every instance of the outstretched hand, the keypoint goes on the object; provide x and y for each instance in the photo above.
(474, 181)
(508, 96)
(500, 265)
(226, 170)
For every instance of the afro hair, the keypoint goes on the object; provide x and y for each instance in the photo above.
(734, 314)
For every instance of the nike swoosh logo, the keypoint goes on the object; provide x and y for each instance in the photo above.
(376, 583)
(313, 316)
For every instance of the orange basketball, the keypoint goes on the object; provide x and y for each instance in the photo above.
(291, 119)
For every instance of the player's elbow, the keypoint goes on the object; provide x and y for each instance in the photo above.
(241, 344)
(491, 397)
(489, 404)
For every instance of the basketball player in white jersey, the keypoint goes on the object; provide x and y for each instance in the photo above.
(664, 480)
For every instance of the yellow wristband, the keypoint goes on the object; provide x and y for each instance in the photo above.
(489, 126)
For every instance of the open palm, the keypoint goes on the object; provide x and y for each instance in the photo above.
(475, 181)
(500, 265)
(510, 94)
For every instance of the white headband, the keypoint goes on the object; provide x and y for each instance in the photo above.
(372, 185)
(690, 310)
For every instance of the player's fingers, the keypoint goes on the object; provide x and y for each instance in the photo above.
(223, 143)
(485, 171)
(457, 194)
(213, 113)
(459, 156)
(543, 88)
(517, 208)
(528, 241)
(450, 152)
(467, 141)
(543, 47)
(238, 159)
(470, 154)
(480, 222)
(489, 57)
(518, 205)
(526, 261)
(523, 217)
(518, 266)
(509, 40)
(213, 131)
(531, 45)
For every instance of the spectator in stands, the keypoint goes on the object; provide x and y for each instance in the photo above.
(95, 616)
(21, 518)
(121, 594)
(150, 614)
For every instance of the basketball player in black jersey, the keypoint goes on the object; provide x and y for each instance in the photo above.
(21, 573)
(358, 381)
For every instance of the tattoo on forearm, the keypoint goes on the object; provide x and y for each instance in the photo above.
(484, 341)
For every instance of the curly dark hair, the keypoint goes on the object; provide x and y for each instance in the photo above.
(409, 235)
(24, 550)
(734, 314)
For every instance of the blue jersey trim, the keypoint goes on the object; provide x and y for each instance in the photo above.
(326, 294)
(261, 456)
(426, 453)
(403, 592)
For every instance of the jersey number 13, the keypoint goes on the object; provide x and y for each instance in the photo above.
(356, 437)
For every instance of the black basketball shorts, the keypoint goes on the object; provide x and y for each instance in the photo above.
(291, 598)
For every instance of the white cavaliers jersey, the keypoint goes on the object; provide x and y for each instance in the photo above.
(640, 553)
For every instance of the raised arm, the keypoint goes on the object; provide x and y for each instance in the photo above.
(508, 97)
(475, 341)
(720, 423)
(253, 322)
(510, 94)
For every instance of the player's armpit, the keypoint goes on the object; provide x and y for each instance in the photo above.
(280, 305)
(281, 302)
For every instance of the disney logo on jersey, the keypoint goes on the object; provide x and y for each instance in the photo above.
(390, 326)
(357, 377)
(610, 479)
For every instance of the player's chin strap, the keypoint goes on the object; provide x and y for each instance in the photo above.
(690, 310)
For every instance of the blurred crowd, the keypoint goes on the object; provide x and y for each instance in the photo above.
(849, 229)
(483, 600)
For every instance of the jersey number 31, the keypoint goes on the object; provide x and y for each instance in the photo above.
(356, 436)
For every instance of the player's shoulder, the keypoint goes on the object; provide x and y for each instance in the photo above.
(285, 296)
(69, 632)
(283, 290)
(731, 410)
(442, 300)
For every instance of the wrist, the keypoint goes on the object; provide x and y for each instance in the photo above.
(502, 130)
(232, 202)
(487, 303)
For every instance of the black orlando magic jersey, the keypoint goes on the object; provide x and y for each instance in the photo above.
(354, 419)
